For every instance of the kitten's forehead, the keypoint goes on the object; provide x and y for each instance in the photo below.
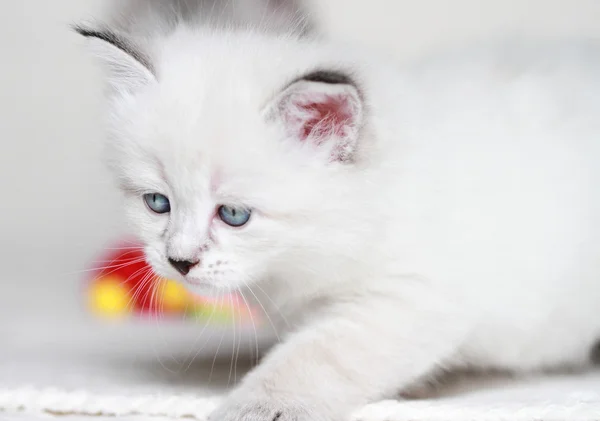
(215, 123)
(204, 150)
(213, 89)
(204, 121)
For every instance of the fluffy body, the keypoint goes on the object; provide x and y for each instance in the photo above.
(464, 233)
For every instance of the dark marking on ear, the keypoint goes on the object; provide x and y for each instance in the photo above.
(331, 77)
(118, 41)
(328, 76)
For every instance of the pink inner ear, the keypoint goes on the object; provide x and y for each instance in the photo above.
(326, 115)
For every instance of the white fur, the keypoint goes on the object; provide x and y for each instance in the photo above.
(124, 73)
(466, 233)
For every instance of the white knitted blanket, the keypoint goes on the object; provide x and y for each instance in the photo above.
(124, 371)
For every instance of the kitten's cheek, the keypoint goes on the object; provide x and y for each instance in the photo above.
(151, 256)
(155, 259)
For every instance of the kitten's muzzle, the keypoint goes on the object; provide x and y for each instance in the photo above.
(183, 266)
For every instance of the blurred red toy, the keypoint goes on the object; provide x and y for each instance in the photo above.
(125, 284)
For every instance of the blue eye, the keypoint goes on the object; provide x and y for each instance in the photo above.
(236, 217)
(157, 202)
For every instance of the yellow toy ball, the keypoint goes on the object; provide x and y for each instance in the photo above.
(173, 297)
(109, 298)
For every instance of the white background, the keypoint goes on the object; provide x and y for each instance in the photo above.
(57, 204)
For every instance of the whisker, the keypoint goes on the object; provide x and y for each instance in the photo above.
(240, 328)
(212, 367)
(275, 330)
(273, 304)
(206, 324)
(124, 248)
(155, 297)
(102, 268)
(148, 278)
(253, 324)
(135, 274)
(125, 281)
(233, 344)
(149, 290)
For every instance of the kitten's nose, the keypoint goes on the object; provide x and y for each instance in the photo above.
(182, 266)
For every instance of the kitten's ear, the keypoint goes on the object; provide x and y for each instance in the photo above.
(324, 109)
(127, 67)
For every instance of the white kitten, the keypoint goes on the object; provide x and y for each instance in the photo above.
(446, 216)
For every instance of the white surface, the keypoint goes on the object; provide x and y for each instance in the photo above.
(141, 369)
(83, 366)
(44, 417)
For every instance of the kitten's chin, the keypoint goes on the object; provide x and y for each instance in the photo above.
(204, 288)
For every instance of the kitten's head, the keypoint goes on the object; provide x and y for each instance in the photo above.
(238, 155)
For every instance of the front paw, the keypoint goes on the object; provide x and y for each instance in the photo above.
(271, 409)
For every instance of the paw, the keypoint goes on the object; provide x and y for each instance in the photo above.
(267, 410)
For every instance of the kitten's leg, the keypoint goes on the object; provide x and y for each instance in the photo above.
(354, 354)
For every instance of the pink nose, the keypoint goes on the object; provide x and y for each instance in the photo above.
(183, 266)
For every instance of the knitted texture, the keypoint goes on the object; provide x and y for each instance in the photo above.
(55, 401)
